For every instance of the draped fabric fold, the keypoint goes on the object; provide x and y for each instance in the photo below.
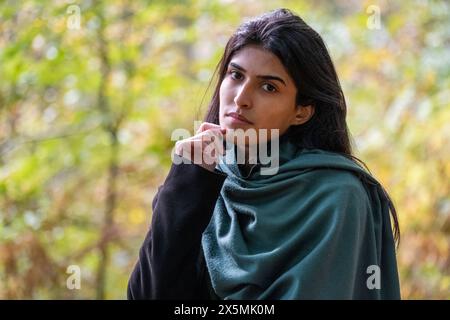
(317, 229)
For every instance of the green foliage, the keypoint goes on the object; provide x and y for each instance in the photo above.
(86, 117)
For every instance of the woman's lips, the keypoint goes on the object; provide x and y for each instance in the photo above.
(237, 118)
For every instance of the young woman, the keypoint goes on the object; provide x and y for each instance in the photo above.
(318, 228)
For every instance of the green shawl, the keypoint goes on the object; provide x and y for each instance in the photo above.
(318, 229)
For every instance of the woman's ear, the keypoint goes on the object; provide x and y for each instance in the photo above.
(302, 114)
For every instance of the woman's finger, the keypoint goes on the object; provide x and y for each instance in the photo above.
(207, 126)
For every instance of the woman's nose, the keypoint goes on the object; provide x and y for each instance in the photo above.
(243, 96)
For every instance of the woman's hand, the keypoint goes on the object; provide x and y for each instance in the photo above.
(204, 147)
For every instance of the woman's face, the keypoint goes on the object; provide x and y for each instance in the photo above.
(257, 87)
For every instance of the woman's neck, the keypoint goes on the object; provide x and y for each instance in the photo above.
(249, 155)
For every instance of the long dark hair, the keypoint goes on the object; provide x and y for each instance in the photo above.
(305, 57)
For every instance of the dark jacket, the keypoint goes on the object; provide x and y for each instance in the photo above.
(171, 264)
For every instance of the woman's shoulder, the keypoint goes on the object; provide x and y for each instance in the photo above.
(338, 179)
(334, 171)
(338, 188)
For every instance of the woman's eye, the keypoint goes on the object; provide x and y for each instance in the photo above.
(235, 75)
(269, 88)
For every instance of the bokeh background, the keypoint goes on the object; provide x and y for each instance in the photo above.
(90, 92)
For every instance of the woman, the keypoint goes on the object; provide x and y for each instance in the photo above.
(318, 228)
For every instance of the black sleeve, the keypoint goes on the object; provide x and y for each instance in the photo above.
(169, 265)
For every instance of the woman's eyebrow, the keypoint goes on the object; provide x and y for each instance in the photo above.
(266, 77)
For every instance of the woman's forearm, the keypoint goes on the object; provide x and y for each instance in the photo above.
(168, 259)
